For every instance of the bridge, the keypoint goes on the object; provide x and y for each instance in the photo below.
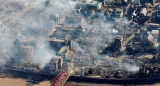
(60, 79)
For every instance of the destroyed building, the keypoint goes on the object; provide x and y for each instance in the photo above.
(153, 37)
(27, 51)
(107, 2)
(54, 17)
(140, 15)
(93, 39)
(118, 13)
(73, 20)
(55, 64)
(93, 4)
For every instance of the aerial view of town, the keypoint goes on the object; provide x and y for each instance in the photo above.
(79, 42)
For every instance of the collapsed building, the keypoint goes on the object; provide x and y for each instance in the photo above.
(140, 16)
(128, 54)
(55, 64)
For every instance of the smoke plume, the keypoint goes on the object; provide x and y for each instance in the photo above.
(29, 21)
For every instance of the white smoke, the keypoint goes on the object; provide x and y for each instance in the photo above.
(32, 24)
(131, 67)
(26, 25)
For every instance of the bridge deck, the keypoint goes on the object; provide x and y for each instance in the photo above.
(60, 79)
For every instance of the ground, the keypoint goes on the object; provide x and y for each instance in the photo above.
(92, 84)
(21, 82)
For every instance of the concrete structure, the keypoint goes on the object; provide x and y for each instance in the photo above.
(54, 17)
(60, 62)
(107, 2)
(143, 11)
(117, 2)
(56, 63)
(74, 20)
(94, 4)
(118, 13)
(119, 38)
(69, 67)
(153, 37)
(136, 1)
(53, 65)
(153, 40)
(26, 51)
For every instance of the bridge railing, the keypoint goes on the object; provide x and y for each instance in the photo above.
(60, 79)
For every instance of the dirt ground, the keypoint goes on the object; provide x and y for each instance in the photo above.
(45, 83)
(92, 84)
(12, 82)
(22, 82)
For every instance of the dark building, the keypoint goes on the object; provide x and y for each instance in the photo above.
(107, 2)
(158, 17)
(129, 48)
(147, 1)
